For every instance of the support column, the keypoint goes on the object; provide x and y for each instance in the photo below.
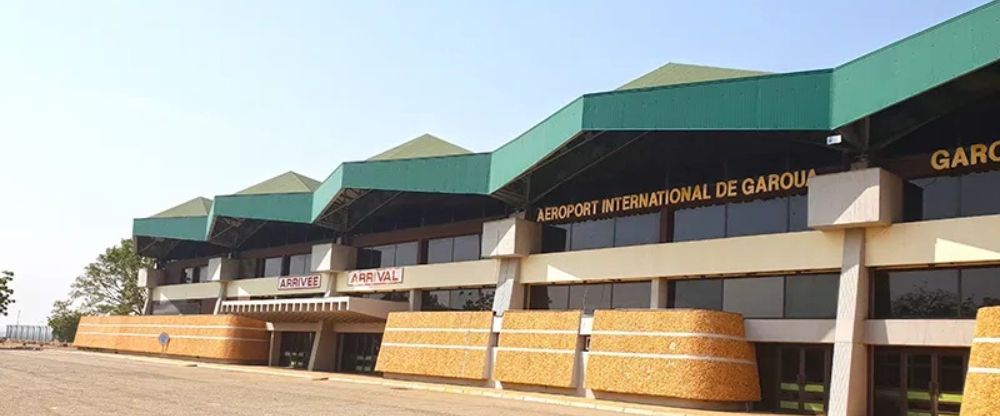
(222, 270)
(507, 241)
(149, 279)
(509, 292)
(416, 299)
(849, 379)
(659, 293)
(323, 356)
(274, 355)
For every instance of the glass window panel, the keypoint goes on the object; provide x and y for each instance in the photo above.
(980, 288)
(939, 197)
(696, 294)
(592, 234)
(203, 274)
(434, 300)
(471, 300)
(407, 254)
(632, 295)
(700, 223)
(467, 248)
(887, 383)
(555, 238)
(439, 250)
(754, 297)
(549, 297)
(637, 229)
(980, 194)
(813, 296)
(248, 268)
(798, 213)
(272, 266)
(757, 217)
(189, 275)
(590, 297)
(917, 294)
(382, 256)
(299, 264)
(952, 373)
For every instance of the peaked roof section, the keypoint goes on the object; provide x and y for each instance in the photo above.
(198, 207)
(285, 183)
(425, 145)
(674, 73)
(664, 100)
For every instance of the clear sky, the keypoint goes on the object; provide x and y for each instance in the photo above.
(111, 110)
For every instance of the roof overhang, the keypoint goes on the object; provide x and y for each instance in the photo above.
(333, 309)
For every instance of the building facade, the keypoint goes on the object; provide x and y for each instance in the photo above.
(850, 217)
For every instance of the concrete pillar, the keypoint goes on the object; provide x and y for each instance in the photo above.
(274, 357)
(147, 305)
(849, 379)
(509, 292)
(416, 297)
(323, 356)
(149, 279)
(659, 293)
(222, 270)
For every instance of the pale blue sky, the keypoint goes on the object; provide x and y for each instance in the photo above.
(111, 110)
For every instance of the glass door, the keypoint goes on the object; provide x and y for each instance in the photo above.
(358, 352)
(918, 382)
(296, 347)
(804, 379)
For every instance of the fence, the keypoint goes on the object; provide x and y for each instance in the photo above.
(29, 333)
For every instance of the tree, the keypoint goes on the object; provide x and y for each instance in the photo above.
(6, 292)
(110, 284)
(64, 320)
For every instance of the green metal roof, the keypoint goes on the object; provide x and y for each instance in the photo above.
(674, 73)
(285, 183)
(425, 145)
(198, 207)
(663, 100)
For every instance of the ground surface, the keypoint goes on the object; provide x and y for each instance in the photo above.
(54, 382)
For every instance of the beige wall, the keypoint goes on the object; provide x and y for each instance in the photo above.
(959, 240)
(920, 332)
(466, 273)
(207, 290)
(790, 330)
(857, 198)
(268, 286)
(810, 250)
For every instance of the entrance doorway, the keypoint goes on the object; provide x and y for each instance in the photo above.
(358, 352)
(918, 381)
(794, 378)
(296, 347)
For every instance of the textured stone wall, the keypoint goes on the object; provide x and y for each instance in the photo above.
(538, 348)
(682, 353)
(215, 337)
(439, 344)
(982, 384)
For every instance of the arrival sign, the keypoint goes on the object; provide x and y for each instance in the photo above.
(299, 282)
(375, 277)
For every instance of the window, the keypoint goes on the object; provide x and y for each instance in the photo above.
(940, 197)
(387, 296)
(190, 275)
(763, 216)
(754, 297)
(453, 249)
(798, 296)
(812, 296)
(696, 294)
(390, 255)
(591, 296)
(609, 232)
(203, 273)
(273, 266)
(937, 293)
(474, 299)
(299, 264)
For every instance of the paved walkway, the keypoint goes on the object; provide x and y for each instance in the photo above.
(68, 382)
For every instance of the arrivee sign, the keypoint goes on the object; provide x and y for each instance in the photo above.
(375, 277)
(299, 282)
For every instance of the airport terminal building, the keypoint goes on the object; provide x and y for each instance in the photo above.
(815, 242)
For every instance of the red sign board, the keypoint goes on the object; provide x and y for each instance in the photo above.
(375, 277)
(299, 282)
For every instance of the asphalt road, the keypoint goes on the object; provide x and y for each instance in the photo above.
(52, 382)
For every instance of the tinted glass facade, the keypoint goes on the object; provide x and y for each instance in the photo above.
(389, 255)
(768, 216)
(936, 293)
(609, 232)
(589, 297)
(939, 197)
(474, 299)
(452, 249)
(797, 296)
